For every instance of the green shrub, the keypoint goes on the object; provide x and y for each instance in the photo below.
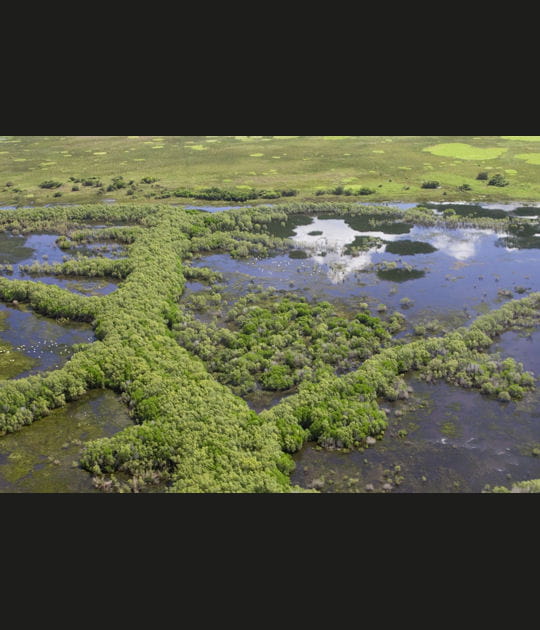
(50, 183)
(498, 180)
(117, 184)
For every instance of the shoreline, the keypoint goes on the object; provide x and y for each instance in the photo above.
(488, 204)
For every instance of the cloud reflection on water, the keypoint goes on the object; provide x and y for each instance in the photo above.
(336, 235)
(327, 248)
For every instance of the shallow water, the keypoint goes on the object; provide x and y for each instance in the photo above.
(459, 441)
(40, 457)
(465, 272)
(41, 338)
(25, 250)
(456, 440)
(211, 208)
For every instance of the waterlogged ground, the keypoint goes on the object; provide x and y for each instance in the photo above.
(46, 342)
(440, 272)
(17, 250)
(451, 440)
(444, 439)
(43, 457)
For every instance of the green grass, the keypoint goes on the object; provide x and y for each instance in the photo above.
(465, 151)
(524, 138)
(530, 158)
(394, 166)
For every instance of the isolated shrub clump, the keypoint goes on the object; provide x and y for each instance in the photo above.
(50, 183)
(498, 180)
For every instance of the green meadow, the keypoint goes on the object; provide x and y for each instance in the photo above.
(88, 169)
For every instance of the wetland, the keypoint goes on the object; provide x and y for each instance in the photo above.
(321, 344)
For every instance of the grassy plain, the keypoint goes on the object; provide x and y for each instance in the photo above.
(394, 166)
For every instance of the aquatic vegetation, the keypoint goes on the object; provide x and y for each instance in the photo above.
(520, 487)
(342, 411)
(362, 244)
(49, 300)
(406, 247)
(219, 194)
(193, 433)
(12, 362)
(59, 220)
(399, 274)
(90, 267)
(170, 393)
(202, 274)
(278, 344)
(122, 234)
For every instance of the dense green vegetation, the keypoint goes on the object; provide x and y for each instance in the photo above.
(343, 411)
(277, 346)
(243, 169)
(180, 378)
(91, 267)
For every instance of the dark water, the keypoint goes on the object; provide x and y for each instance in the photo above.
(41, 457)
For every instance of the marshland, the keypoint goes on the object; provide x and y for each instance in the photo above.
(340, 318)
